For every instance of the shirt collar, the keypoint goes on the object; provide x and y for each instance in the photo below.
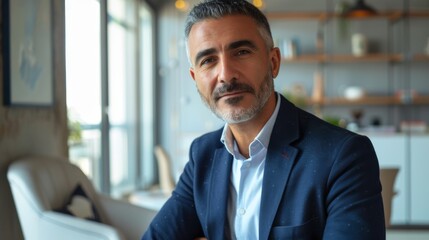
(263, 136)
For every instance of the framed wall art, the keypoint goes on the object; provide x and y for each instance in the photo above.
(28, 53)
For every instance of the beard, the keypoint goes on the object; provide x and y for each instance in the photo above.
(239, 114)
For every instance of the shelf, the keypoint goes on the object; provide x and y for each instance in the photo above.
(310, 58)
(370, 100)
(420, 57)
(418, 14)
(391, 15)
(421, 100)
(322, 16)
(366, 58)
(299, 15)
(320, 58)
(373, 100)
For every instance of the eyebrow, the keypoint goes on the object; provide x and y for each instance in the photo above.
(231, 46)
(242, 43)
(204, 53)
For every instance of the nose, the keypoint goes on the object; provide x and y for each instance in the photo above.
(227, 70)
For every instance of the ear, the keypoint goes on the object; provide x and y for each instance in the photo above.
(192, 73)
(275, 61)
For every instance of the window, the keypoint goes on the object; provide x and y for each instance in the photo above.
(83, 69)
(122, 91)
(147, 96)
(110, 91)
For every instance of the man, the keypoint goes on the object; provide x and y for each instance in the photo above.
(273, 171)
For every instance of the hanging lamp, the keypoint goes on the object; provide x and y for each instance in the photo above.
(360, 9)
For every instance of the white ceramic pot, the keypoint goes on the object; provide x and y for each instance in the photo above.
(359, 44)
(354, 93)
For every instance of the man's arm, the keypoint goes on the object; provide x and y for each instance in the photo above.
(354, 202)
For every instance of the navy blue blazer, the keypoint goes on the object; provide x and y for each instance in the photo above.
(320, 182)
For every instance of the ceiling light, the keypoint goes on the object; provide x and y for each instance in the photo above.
(181, 5)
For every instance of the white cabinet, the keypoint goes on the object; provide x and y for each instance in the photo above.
(411, 155)
(392, 153)
(419, 166)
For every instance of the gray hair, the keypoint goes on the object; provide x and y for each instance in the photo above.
(216, 9)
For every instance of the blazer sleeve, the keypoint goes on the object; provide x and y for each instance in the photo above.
(178, 218)
(354, 202)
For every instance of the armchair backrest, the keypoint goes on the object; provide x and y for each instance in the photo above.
(166, 180)
(387, 179)
(41, 184)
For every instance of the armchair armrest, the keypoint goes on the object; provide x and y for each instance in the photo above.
(131, 219)
(55, 225)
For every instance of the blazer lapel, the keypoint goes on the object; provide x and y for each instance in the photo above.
(218, 196)
(278, 165)
(277, 170)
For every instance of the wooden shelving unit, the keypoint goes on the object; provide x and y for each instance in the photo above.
(369, 58)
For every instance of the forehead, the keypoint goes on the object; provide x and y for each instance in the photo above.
(211, 32)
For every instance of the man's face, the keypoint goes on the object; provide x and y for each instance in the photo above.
(232, 67)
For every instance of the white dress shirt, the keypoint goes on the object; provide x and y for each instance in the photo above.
(245, 188)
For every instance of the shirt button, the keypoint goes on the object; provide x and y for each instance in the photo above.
(241, 211)
(246, 165)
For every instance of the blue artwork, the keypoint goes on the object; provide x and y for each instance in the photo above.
(30, 53)
(29, 69)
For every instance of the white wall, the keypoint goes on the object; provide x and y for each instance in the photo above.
(182, 114)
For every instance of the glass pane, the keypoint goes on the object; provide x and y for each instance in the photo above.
(84, 84)
(122, 94)
(147, 90)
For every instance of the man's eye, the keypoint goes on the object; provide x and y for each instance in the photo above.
(207, 61)
(243, 52)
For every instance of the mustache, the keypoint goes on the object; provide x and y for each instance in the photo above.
(231, 87)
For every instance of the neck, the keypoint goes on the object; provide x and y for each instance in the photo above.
(244, 133)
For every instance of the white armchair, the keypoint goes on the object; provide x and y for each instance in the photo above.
(41, 185)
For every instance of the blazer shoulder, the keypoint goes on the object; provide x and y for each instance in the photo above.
(209, 138)
(207, 142)
(300, 124)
